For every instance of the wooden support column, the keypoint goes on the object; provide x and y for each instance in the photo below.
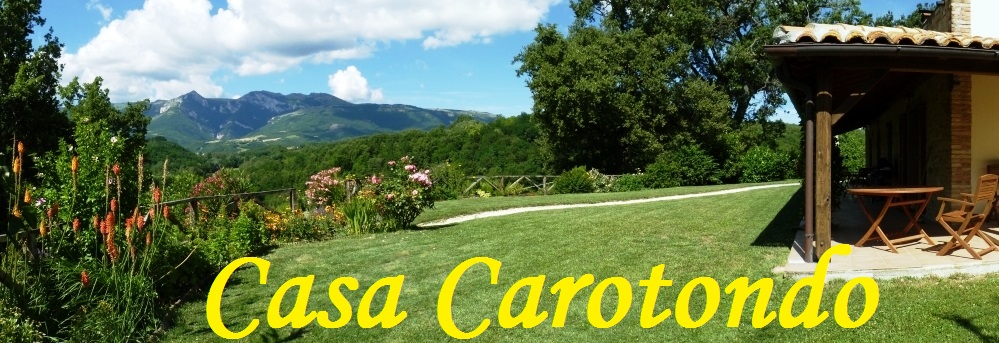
(810, 181)
(823, 162)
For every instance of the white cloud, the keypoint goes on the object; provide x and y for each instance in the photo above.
(350, 85)
(103, 9)
(169, 47)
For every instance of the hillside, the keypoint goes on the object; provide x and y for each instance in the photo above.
(263, 118)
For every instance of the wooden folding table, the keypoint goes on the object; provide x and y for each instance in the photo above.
(895, 197)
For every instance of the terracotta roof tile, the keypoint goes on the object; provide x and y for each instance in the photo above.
(842, 33)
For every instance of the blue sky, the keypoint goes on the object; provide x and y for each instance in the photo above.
(433, 54)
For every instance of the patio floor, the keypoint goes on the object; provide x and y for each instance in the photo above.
(874, 259)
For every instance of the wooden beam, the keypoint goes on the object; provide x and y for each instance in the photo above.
(858, 94)
(810, 181)
(823, 162)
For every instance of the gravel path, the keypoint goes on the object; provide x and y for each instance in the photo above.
(497, 213)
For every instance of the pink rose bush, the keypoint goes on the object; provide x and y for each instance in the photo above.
(402, 194)
(399, 194)
(325, 188)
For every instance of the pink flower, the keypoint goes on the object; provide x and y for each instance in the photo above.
(391, 163)
(427, 171)
(375, 179)
(410, 168)
(389, 196)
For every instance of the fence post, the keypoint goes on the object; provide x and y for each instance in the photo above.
(194, 211)
(291, 199)
(544, 184)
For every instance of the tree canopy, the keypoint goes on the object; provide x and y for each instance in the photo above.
(631, 79)
(29, 78)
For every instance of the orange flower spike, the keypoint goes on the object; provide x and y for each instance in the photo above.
(166, 211)
(76, 225)
(84, 278)
(27, 195)
(20, 147)
(128, 228)
(116, 169)
(74, 165)
(42, 230)
(109, 224)
(16, 212)
(114, 205)
(17, 165)
(157, 195)
(97, 224)
(140, 222)
(149, 238)
(53, 211)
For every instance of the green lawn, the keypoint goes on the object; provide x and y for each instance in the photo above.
(723, 237)
(454, 208)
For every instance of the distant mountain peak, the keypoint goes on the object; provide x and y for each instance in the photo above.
(268, 118)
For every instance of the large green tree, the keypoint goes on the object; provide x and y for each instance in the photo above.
(29, 79)
(631, 79)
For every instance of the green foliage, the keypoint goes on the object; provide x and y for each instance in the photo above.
(505, 146)
(601, 182)
(686, 166)
(624, 84)
(227, 240)
(222, 182)
(853, 148)
(401, 193)
(575, 180)
(849, 12)
(449, 180)
(326, 188)
(361, 215)
(104, 141)
(14, 328)
(159, 149)
(762, 164)
(628, 183)
(298, 226)
(29, 80)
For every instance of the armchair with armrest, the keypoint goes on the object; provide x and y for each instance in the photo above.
(970, 216)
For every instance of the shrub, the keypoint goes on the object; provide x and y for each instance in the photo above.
(687, 166)
(628, 183)
(222, 182)
(575, 180)
(449, 181)
(401, 193)
(601, 182)
(298, 226)
(325, 188)
(762, 164)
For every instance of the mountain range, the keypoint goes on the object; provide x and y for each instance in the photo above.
(265, 118)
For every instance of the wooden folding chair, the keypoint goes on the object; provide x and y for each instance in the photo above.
(970, 220)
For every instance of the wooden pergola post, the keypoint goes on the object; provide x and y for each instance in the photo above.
(823, 162)
(810, 181)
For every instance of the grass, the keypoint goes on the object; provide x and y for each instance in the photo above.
(723, 237)
(454, 208)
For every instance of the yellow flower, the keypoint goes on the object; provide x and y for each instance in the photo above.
(27, 195)
(75, 165)
(17, 165)
(17, 211)
(41, 228)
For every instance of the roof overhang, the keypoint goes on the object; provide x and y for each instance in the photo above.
(871, 67)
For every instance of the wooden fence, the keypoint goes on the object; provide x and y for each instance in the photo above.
(194, 201)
